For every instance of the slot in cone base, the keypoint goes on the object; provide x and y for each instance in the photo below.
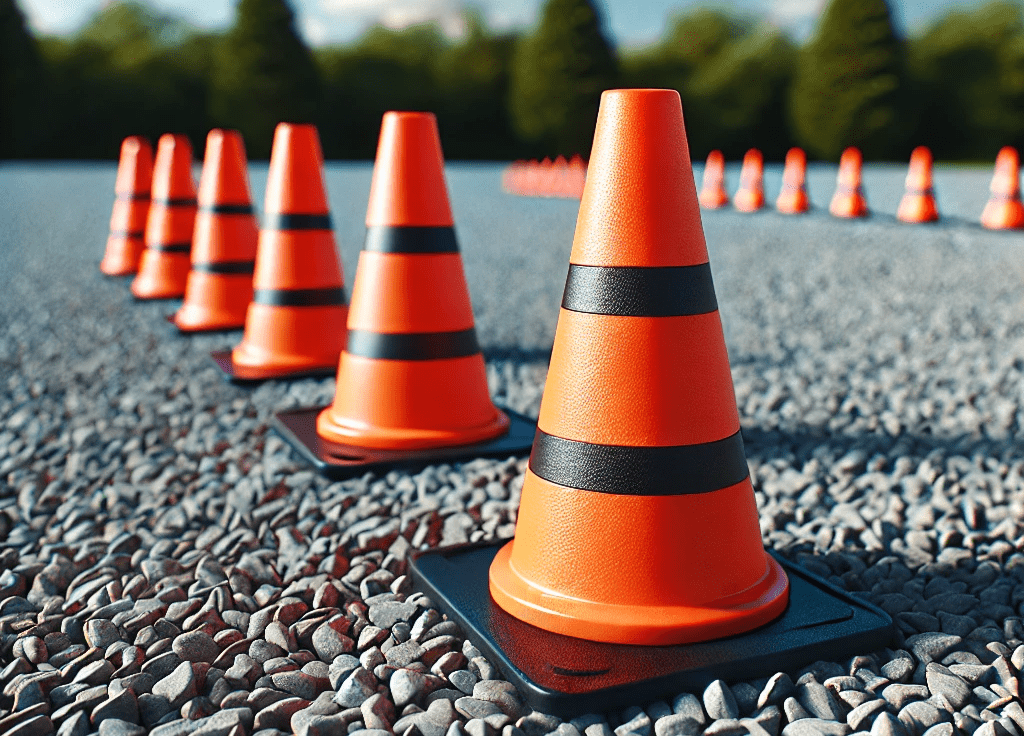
(336, 460)
(250, 374)
(567, 677)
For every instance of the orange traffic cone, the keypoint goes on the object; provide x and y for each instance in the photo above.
(848, 201)
(411, 377)
(577, 177)
(1004, 210)
(918, 203)
(793, 196)
(164, 266)
(712, 191)
(295, 324)
(638, 524)
(750, 196)
(128, 220)
(219, 286)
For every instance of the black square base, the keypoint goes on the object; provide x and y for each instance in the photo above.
(568, 677)
(336, 460)
(245, 374)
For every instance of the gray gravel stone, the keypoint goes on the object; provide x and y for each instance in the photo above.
(719, 702)
(677, 725)
(179, 686)
(815, 727)
(196, 646)
(357, 687)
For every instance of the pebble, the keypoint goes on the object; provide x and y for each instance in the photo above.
(719, 701)
(357, 687)
(195, 646)
(677, 725)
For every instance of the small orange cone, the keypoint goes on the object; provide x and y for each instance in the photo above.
(128, 220)
(712, 191)
(793, 198)
(164, 266)
(637, 523)
(848, 201)
(1004, 210)
(577, 177)
(918, 203)
(219, 286)
(750, 196)
(295, 324)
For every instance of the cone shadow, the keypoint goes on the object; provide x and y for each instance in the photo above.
(249, 374)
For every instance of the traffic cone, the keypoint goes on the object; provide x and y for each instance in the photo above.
(848, 201)
(637, 524)
(793, 196)
(128, 220)
(577, 177)
(219, 286)
(164, 266)
(295, 324)
(712, 191)
(411, 377)
(750, 196)
(1004, 210)
(918, 203)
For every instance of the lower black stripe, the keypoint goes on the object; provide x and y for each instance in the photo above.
(300, 297)
(166, 202)
(1005, 198)
(639, 471)
(226, 268)
(129, 197)
(640, 292)
(127, 234)
(929, 191)
(412, 346)
(388, 239)
(226, 209)
(170, 247)
(282, 221)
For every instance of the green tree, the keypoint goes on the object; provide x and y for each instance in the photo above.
(558, 75)
(264, 74)
(20, 72)
(849, 88)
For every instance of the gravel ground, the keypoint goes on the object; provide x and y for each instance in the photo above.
(167, 566)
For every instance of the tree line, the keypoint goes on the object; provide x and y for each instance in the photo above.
(958, 87)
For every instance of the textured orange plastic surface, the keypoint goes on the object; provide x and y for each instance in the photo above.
(404, 292)
(214, 302)
(172, 171)
(291, 338)
(134, 176)
(411, 404)
(408, 178)
(848, 201)
(224, 179)
(639, 205)
(218, 238)
(712, 191)
(639, 381)
(750, 196)
(638, 569)
(793, 197)
(297, 259)
(918, 203)
(295, 182)
(1004, 210)
(161, 275)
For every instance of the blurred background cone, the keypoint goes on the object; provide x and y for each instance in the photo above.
(577, 177)
(712, 191)
(918, 203)
(219, 286)
(295, 323)
(793, 198)
(131, 206)
(412, 375)
(163, 269)
(1004, 210)
(750, 196)
(638, 523)
(848, 201)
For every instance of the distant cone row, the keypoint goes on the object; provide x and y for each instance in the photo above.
(547, 178)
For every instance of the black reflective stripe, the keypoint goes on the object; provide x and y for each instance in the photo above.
(174, 202)
(1005, 198)
(226, 209)
(282, 221)
(128, 197)
(300, 297)
(673, 291)
(127, 234)
(170, 247)
(388, 239)
(929, 191)
(226, 268)
(412, 346)
(639, 471)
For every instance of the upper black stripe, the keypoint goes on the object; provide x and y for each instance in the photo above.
(412, 345)
(639, 471)
(133, 197)
(628, 291)
(166, 202)
(389, 239)
(283, 221)
(300, 297)
(127, 233)
(170, 247)
(225, 268)
(227, 209)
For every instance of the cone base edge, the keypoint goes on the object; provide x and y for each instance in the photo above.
(236, 373)
(331, 429)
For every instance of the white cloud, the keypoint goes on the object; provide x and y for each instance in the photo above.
(796, 16)
(314, 30)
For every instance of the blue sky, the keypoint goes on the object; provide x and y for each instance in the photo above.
(630, 22)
